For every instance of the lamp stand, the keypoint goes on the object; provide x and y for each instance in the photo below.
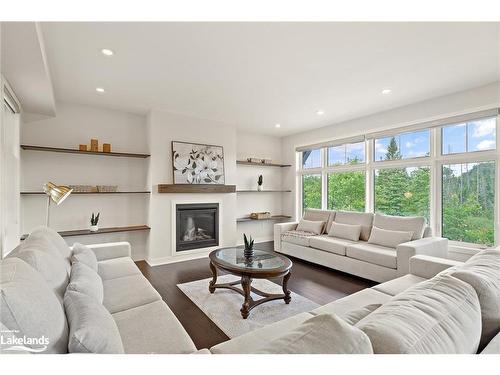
(48, 212)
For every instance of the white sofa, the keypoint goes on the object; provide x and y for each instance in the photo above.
(360, 258)
(32, 296)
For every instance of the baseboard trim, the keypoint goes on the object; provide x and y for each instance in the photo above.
(168, 260)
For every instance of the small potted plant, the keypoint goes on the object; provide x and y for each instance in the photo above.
(94, 222)
(260, 180)
(248, 251)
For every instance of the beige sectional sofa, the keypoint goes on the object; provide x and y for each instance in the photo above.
(360, 258)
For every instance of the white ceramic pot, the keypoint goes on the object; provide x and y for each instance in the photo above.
(259, 187)
(94, 228)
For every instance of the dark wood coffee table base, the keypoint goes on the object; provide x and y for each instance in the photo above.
(246, 287)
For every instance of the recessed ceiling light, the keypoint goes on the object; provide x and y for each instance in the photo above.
(99, 89)
(386, 91)
(320, 112)
(278, 125)
(107, 52)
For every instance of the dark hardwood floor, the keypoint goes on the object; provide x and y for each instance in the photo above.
(320, 284)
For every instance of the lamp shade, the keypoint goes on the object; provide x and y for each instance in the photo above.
(57, 193)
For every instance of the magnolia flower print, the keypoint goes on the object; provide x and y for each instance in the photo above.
(200, 166)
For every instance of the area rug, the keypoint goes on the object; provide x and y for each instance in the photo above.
(223, 307)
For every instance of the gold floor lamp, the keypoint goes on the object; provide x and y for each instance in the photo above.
(55, 193)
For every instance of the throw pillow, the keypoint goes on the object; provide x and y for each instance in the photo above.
(91, 327)
(84, 254)
(322, 334)
(315, 227)
(389, 238)
(85, 280)
(345, 231)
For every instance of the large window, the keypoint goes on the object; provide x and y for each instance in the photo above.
(311, 191)
(468, 202)
(403, 191)
(346, 191)
(405, 173)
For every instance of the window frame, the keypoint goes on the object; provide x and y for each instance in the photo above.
(434, 161)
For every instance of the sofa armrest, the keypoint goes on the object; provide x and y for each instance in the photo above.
(428, 266)
(104, 251)
(434, 246)
(279, 229)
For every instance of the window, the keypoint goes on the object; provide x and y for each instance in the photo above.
(311, 191)
(346, 191)
(403, 191)
(403, 146)
(311, 159)
(476, 135)
(351, 153)
(468, 200)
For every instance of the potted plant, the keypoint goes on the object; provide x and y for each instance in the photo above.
(248, 251)
(259, 183)
(94, 222)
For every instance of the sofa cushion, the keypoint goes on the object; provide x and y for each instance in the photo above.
(165, 336)
(91, 327)
(438, 316)
(354, 316)
(330, 244)
(51, 267)
(358, 300)
(346, 231)
(56, 241)
(84, 254)
(30, 307)
(396, 286)
(254, 341)
(482, 272)
(85, 280)
(375, 254)
(314, 214)
(493, 346)
(297, 237)
(117, 267)
(415, 224)
(389, 238)
(365, 219)
(315, 227)
(314, 336)
(128, 292)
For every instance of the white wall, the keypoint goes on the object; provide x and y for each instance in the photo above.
(459, 103)
(75, 124)
(260, 146)
(164, 128)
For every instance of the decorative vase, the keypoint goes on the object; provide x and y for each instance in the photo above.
(94, 228)
(259, 187)
(248, 253)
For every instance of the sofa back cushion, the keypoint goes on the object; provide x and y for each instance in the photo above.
(415, 224)
(389, 238)
(346, 231)
(315, 227)
(365, 219)
(482, 272)
(313, 214)
(438, 316)
(92, 329)
(322, 334)
(55, 239)
(29, 306)
(85, 255)
(85, 280)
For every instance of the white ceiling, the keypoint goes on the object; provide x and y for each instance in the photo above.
(253, 75)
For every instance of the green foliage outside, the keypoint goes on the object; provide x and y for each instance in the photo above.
(311, 193)
(346, 191)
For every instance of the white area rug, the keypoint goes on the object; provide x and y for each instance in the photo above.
(223, 307)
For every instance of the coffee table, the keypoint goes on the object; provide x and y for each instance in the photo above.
(263, 265)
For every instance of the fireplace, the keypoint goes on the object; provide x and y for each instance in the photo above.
(197, 226)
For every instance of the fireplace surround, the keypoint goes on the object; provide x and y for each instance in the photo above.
(196, 226)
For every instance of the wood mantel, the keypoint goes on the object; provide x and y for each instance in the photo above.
(196, 188)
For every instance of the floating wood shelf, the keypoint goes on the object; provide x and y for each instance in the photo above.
(263, 191)
(85, 232)
(274, 218)
(88, 192)
(195, 188)
(244, 162)
(75, 151)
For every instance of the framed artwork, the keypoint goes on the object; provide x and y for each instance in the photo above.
(195, 163)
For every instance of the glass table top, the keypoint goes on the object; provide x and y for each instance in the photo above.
(262, 260)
